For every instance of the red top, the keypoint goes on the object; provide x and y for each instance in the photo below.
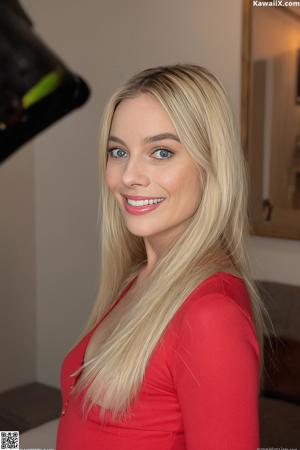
(201, 385)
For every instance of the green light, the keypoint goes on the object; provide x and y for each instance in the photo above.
(43, 88)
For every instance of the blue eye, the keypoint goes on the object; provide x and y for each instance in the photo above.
(118, 153)
(110, 152)
(165, 151)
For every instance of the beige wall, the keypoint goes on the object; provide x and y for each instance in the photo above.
(107, 41)
(18, 332)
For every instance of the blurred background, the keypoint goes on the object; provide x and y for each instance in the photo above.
(49, 258)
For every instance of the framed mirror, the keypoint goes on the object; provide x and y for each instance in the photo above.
(270, 117)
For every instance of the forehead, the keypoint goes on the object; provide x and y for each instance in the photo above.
(143, 112)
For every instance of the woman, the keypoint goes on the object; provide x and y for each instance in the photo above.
(177, 362)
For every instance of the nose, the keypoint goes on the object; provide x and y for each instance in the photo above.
(135, 172)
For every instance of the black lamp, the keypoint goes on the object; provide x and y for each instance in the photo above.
(36, 87)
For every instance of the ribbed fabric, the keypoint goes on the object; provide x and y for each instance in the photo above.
(201, 385)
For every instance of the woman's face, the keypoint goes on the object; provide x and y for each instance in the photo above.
(147, 159)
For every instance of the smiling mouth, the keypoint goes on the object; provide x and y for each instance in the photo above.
(151, 201)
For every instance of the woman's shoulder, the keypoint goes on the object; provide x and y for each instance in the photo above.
(218, 310)
(221, 293)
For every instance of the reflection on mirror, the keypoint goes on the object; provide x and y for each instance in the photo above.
(271, 118)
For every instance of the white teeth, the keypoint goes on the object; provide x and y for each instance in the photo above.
(144, 202)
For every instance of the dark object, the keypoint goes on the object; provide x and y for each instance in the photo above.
(282, 376)
(28, 406)
(267, 210)
(298, 79)
(279, 402)
(36, 87)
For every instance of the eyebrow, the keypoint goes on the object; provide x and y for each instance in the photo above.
(149, 139)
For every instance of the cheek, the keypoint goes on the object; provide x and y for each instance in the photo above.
(171, 180)
(183, 182)
(189, 192)
(111, 177)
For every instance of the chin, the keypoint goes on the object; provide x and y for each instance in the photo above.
(142, 232)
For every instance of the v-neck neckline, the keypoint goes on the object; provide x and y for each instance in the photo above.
(85, 340)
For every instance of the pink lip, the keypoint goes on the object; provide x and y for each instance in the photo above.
(137, 210)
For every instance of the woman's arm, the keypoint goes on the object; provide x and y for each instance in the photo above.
(217, 376)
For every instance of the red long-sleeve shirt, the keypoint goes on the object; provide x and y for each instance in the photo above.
(201, 385)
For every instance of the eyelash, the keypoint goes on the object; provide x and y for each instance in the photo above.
(110, 150)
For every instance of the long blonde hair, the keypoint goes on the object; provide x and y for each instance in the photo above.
(198, 107)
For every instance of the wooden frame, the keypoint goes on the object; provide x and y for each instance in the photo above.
(264, 220)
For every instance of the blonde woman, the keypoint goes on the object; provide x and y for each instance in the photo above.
(172, 354)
